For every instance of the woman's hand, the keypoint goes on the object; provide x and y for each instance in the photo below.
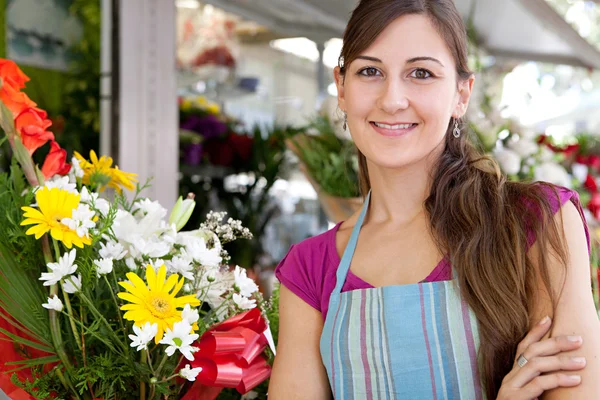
(541, 365)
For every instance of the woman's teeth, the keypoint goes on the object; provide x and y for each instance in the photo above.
(386, 126)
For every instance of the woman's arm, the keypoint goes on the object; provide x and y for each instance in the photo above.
(575, 314)
(298, 372)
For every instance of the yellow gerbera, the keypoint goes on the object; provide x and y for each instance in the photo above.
(99, 172)
(54, 205)
(155, 303)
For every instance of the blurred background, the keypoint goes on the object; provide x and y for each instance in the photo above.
(234, 101)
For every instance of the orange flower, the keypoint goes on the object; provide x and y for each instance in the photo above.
(15, 100)
(11, 74)
(55, 162)
(32, 125)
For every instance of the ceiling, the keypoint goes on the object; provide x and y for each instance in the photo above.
(510, 29)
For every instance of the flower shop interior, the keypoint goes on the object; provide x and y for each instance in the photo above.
(232, 103)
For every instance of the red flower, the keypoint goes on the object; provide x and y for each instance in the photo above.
(594, 205)
(590, 184)
(11, 74)
(55, 162)
(15, 100)
(32, 125)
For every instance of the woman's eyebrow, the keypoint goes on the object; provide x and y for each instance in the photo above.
(416, 59)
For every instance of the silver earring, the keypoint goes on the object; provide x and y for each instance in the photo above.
(456, 131)
(345, 121)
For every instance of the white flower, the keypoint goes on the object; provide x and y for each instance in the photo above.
(86, 196)
(553, 173)
(580, 171)
(143, 335)
(196, 248)
(189, 374)
(53, 303)
(251, 395)
(244, 303)
(81, 220)
(152, 247)
(131, 263)
(510, 161)
(190, 315)
(76, 167)
(524, 147)
(72, 284)
(180, 338)
(147, 206)
(113, 250)
(103, 206)
(64, 267)
(61, 182)
(245, 285)
(182, 266)
(104, 266)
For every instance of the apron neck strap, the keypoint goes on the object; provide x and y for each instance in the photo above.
(344, 266)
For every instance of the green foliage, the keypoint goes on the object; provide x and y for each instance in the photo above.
(332, 162)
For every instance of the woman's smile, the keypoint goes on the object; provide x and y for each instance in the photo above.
(393, 129)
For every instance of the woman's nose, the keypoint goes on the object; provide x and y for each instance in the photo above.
(393, 97)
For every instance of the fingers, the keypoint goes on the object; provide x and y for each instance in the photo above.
(540, 384)
(552, 346)
(534, 335)
(540, 365)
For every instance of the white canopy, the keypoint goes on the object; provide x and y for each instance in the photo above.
(512, 29)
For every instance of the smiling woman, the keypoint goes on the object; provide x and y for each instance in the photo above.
(368, 310)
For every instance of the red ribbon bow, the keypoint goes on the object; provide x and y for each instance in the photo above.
(230, 355)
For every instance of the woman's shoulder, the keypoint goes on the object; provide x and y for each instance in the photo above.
(305, 266)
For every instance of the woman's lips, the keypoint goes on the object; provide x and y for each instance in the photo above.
(393, 130)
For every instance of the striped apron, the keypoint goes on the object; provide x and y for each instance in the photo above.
(416, 341)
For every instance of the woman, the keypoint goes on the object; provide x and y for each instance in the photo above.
(511, 253)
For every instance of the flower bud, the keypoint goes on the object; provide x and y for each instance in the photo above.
(182, 212)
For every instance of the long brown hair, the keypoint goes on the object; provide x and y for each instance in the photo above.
(483, 222)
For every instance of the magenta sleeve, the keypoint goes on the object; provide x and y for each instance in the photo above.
(293, 272)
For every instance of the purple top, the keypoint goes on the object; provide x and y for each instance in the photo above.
(309, 267)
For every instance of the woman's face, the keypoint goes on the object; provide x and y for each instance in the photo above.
(400, 93)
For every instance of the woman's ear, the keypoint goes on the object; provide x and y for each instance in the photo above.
(339, 83)
(465, 88)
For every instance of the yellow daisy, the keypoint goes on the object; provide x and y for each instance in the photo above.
(155, 303)
(100, 172)
(54, 205)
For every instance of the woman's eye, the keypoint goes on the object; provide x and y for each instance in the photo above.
(421, 73)
(369, 71)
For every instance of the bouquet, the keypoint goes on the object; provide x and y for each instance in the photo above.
(109, 299)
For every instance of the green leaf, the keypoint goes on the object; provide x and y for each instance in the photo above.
(31, 362)
(26, 342)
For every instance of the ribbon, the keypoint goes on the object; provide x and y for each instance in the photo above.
(230, 355)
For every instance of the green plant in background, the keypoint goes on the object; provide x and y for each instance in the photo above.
(330, 161)
(80, 109)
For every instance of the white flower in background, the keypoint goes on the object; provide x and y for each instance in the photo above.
(181, 266)
(509, 160)
(152, 247)
(189, 373)
(77, 171)
(72, 284)
(148, 235)
(53, 303)
(244, 303)
(524, 147)
(64, 267)
(546, 154)
(61, 182)
(131, 263)
(81, 220)
(245, 285)
(580, 171)
(196, 248)
(143, 335)
(113, 250)
(190, 315)
(103, 206)
(180, 338)
(104, 266)
(251, 395)
(553, 173)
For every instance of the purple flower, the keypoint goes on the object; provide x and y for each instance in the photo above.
(208, 126)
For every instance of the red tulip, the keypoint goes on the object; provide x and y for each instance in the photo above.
(56, 161)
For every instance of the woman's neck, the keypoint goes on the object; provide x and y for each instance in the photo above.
(398, 195)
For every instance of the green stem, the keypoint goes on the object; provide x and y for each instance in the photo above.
(112, 292)
(99, 315)
(71, 319)
(144, 360)
(162, 364)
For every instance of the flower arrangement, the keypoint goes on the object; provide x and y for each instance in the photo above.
(110, 299)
